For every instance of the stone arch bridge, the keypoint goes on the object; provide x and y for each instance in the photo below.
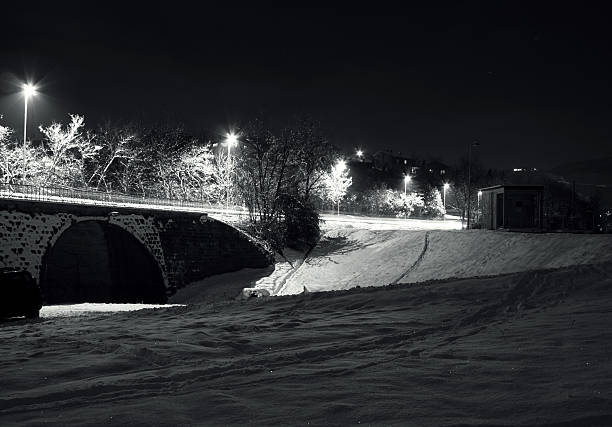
(85, 253)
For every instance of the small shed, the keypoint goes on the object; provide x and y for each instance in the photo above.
(512, 207)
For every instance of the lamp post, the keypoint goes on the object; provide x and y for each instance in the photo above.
(445, 187)
(231, 140)
(406, 181)
(340, 167)
(479, 198)
(469, 200)
(359, 153)
(29, 90)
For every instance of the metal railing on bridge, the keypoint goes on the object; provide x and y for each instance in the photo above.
(101, 198)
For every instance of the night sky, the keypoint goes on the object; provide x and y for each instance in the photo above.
(530, 83)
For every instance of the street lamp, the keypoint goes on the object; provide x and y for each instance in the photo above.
(29, 90)
(406, 181)
(359, 154)
(231, 140)
(340, 167)
(445, 187)
(478, 213)
(469, 200)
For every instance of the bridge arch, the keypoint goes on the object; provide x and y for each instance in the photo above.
(96, 261)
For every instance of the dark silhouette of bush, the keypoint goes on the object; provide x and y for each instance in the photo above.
(296, 226)
(301, 223)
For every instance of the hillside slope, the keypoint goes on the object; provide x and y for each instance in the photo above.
(348, 257)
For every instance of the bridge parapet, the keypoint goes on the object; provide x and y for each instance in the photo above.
(85, 196)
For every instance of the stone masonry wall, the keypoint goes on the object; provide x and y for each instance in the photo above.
(26, 237)
(187, 246)
(145, 230)
(196, 246)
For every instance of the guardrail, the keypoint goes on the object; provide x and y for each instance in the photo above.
(100, 198)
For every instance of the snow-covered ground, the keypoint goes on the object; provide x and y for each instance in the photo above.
(88, 309)
(364, 222)
(380, 223)
(349, 257)
(531, 345)
(529, 348)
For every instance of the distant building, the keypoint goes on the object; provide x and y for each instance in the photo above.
(388, 161)
(512, 207)
(437, 168)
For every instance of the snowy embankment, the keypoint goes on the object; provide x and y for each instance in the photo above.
(87, 309)
(528, 348)
(384, 223)
(349, 257)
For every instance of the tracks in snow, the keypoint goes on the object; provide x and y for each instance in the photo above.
(417, 262)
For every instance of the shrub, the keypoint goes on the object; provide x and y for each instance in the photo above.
(406, 204)
(297, 226)
(301, 223)
(434, 207)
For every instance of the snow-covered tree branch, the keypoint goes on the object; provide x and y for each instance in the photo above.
(67, 152)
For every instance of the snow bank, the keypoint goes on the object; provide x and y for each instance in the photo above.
(83, 309)
(220, 287)
(383, 223)
(348, 257)
(486, 253)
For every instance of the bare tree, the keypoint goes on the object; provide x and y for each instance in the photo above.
(66, 152)
(117, 151)
(313, 155)
(160, 149)
(18, 164)
(337, 183)
(8, 157)
(194, 173)
(264, 170)
(224, 172)
(5, 132)
(478, 177)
